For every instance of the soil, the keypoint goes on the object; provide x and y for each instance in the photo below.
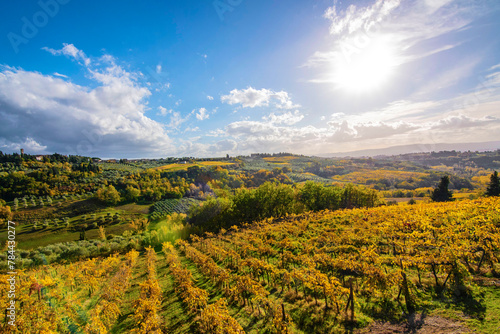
(418, 324)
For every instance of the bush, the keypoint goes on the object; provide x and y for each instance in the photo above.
(74, 252)
(38, 258)
(104, 249)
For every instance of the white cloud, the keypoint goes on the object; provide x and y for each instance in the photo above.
(287, 118)
(202, 114)
(251, 98)
(366, 131)
(216, 133)
(210, 97)
(162, 111)
(29, 145)
(176, 120)
(493, 78)
(407, 22)
(397, 110)
(60, 75)
(223, 146)
(190, 129)
(401, 122)
(265, 131)
(71, 51)
(158, 68)
(354, 19)
(265, 136)
(460, 121)
(60, 116)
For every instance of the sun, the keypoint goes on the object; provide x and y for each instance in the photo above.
(365, 69)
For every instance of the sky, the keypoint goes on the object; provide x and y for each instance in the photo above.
(160, 78)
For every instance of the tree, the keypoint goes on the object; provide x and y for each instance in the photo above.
(102, 233)
(108, 195)
(494, 186)
(317, 197)
(132, 194)
(211, 214)
(441, 193)
(5, 213)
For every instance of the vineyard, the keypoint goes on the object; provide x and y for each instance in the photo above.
(303, 177)
(321, 272)
(367, 176)
(166, 207)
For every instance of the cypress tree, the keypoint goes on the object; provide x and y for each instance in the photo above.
(441, 193)
(494, 186)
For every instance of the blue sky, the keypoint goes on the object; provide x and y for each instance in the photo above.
(208, 78)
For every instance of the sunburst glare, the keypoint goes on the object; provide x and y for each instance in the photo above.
(365, 69)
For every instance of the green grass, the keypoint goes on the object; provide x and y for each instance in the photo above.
(134, 208)
(490, 324)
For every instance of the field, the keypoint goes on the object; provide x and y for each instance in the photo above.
(367, 176)
(349, 270)
(280, 160)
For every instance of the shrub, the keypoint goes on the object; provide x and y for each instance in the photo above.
(74, 252)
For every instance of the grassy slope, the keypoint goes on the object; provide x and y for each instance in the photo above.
(177, 320)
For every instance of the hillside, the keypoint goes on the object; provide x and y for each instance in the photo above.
(62, 199)
(309, 273)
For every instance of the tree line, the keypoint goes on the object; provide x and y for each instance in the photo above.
(277, 200)
(442, 194)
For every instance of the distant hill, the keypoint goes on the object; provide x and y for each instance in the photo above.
(416, 148)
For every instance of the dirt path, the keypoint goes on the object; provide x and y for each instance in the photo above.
(421, 324)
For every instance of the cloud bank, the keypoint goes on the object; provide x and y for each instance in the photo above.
(48, 113)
